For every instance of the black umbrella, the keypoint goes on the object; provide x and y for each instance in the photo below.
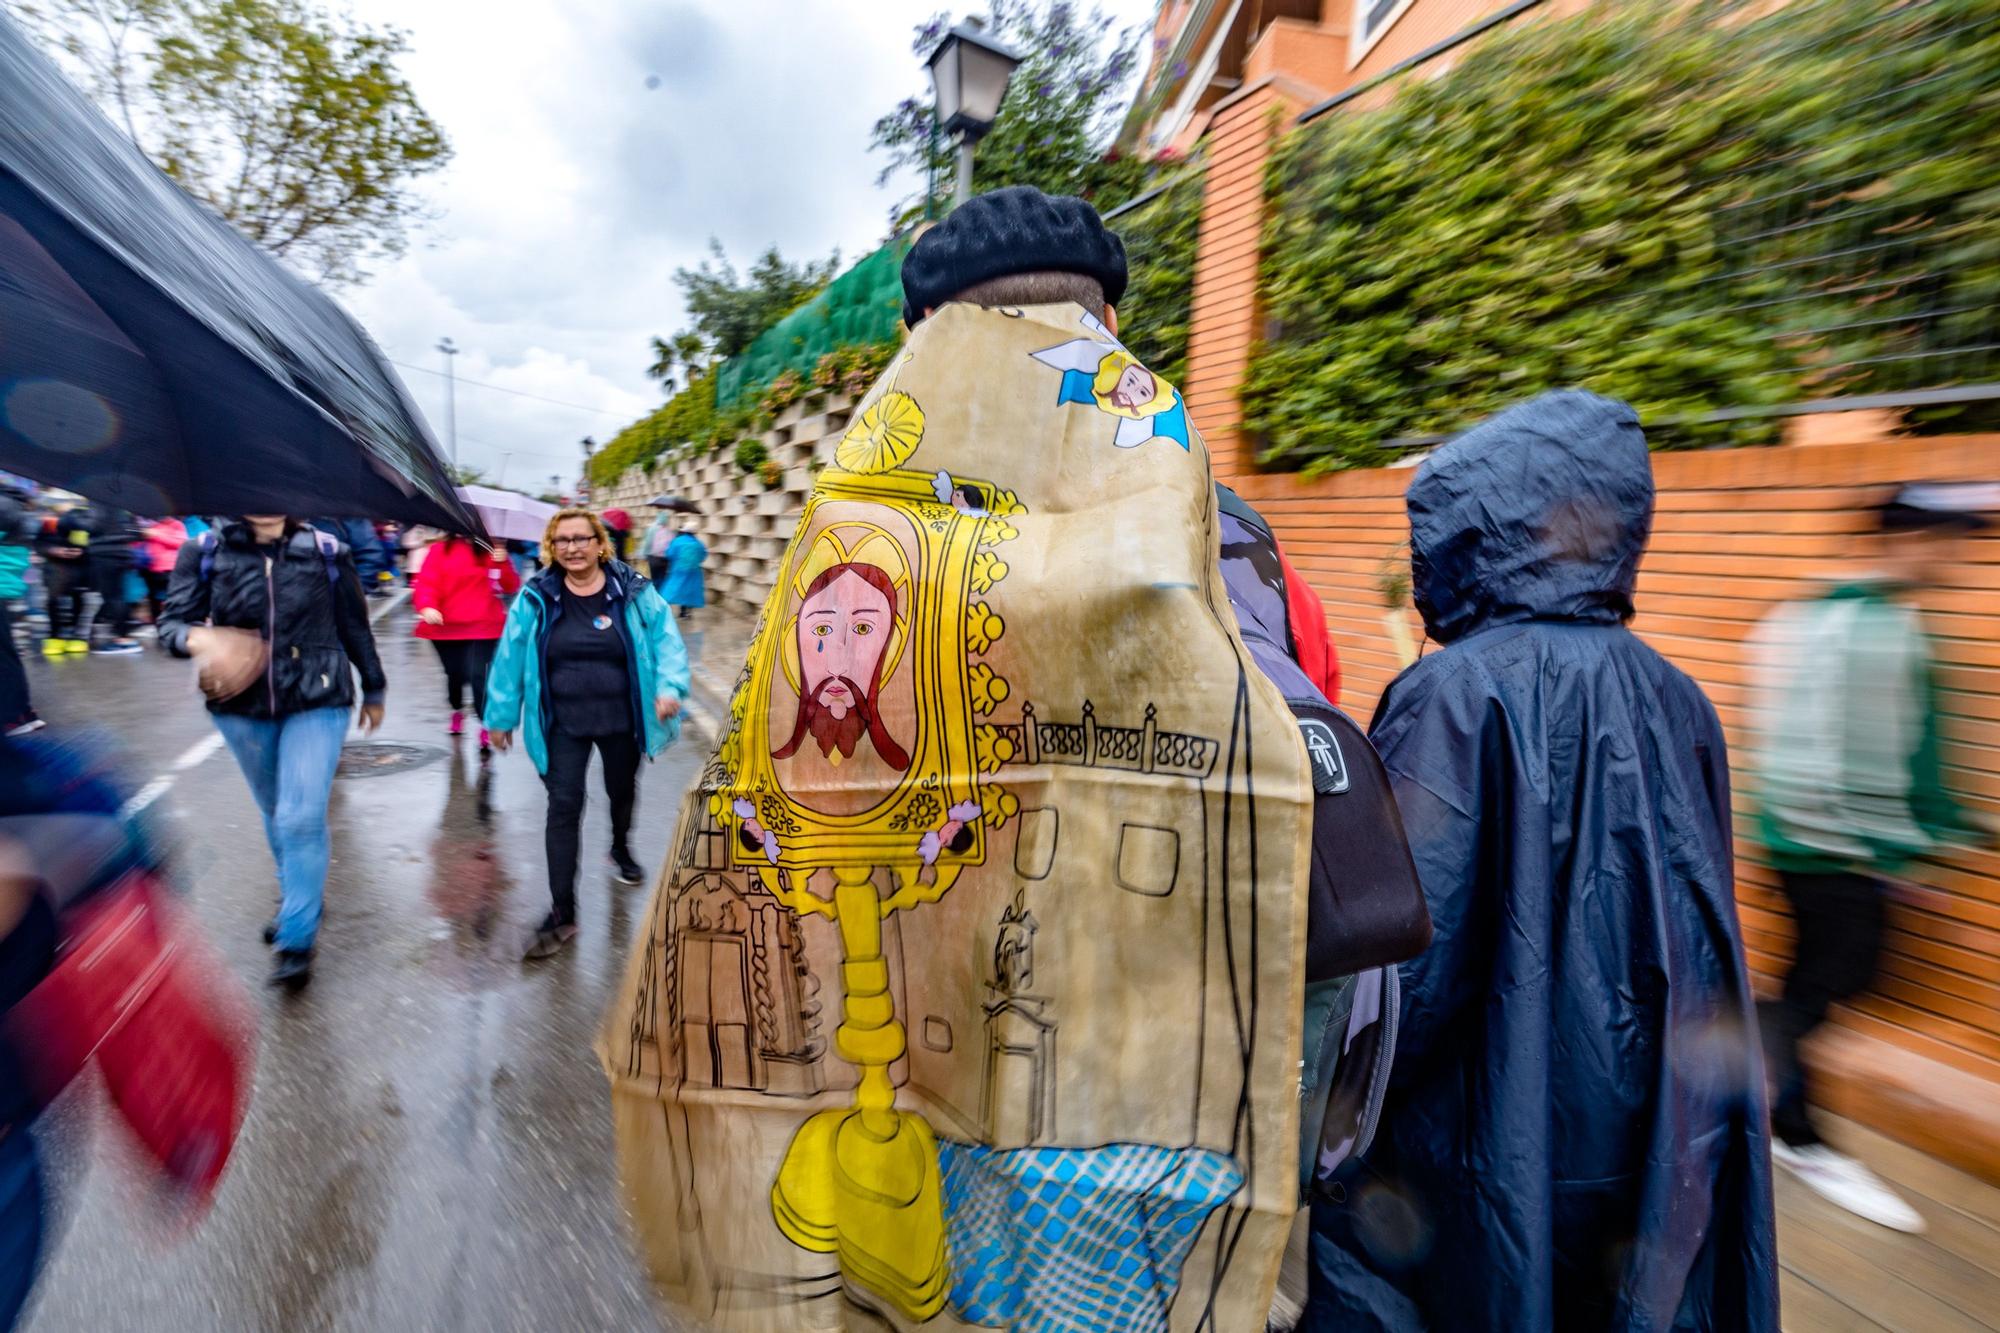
(677, 504)
(153, 358)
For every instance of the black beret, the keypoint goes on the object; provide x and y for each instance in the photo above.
(1015, 230)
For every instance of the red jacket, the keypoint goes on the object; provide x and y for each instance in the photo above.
(1316, 653)
(466, 586)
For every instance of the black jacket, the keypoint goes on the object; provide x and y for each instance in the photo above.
(65, 538)
(112, 534)
(320, 630)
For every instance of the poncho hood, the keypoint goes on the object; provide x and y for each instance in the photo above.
(1538, 513)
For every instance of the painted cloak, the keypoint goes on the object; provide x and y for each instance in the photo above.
(970, 994)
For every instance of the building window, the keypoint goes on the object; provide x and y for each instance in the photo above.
(1372, 18)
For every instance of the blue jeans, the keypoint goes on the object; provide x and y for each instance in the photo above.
(289, 763)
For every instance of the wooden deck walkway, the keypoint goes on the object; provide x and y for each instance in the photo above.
(1843, 1275)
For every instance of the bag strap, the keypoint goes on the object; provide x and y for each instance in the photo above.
(329, 552)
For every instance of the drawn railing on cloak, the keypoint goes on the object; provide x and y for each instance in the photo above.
(1089, 744)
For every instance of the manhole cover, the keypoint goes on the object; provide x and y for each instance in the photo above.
(368, 759)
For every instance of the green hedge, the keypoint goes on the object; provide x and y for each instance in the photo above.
(1656, 201)
(864, 305)
(690, 421)
(1159, 241)
(688, 418)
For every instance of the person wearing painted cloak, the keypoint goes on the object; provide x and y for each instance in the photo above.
(970, 995)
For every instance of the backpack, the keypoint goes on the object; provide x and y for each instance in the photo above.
(329, 552)
(1365, 907)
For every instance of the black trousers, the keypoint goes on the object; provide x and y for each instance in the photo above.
(656, 569)
(466, 662)
(156, 589)
(14, 705)
(64, 583)
(569, 765)
(1839, 918)
(114, 613)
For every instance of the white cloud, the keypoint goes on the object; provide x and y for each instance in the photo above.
(577, 189)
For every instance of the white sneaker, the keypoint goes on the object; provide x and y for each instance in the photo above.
(1840, 1179)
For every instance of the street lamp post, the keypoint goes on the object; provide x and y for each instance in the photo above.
(969, 74)
(450, 350)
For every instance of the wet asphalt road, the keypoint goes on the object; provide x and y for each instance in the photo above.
(429, 1145)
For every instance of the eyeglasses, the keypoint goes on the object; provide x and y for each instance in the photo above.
(591, 540)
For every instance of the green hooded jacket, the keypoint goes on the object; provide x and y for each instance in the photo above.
(1845, 747)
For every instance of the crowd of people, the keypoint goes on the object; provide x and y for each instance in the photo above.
(274, 610)
(1578, 1107)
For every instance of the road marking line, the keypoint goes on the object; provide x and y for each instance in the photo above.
(159, 786)
(387, 604)
(197, 752)
(145, 796)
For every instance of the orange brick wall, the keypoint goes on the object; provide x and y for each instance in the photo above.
(1313, 53)
(1738, 531)
(1224, 322)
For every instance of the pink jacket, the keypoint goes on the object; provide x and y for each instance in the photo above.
(164, 539)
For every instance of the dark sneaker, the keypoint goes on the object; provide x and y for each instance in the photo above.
(24, 725)
(549, 940)
(118, 648)
(293, 969)
(624, 869)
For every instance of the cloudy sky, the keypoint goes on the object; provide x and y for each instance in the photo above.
(598, 146)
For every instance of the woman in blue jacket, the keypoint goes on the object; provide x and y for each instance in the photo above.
(684, 589)
(589, 659)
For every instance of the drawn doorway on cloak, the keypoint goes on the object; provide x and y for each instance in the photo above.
(715, 1004)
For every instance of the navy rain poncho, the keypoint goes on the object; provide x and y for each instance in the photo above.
(1575, 1132)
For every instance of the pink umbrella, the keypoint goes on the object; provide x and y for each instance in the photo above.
(508, 515)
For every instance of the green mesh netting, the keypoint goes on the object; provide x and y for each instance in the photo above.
(862, 305)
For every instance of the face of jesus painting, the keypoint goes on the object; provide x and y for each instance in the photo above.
(844, 627)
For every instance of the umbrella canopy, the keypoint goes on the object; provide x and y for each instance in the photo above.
(153, 358)
(508, 515)
(678, 504)
(617, 520)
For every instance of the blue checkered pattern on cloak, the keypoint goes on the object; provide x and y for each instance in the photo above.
(1076, 1240)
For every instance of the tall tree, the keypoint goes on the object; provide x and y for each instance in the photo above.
(665, 358)
(293, 123)
(1061, 113)
(693, 353)
(729, 310)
